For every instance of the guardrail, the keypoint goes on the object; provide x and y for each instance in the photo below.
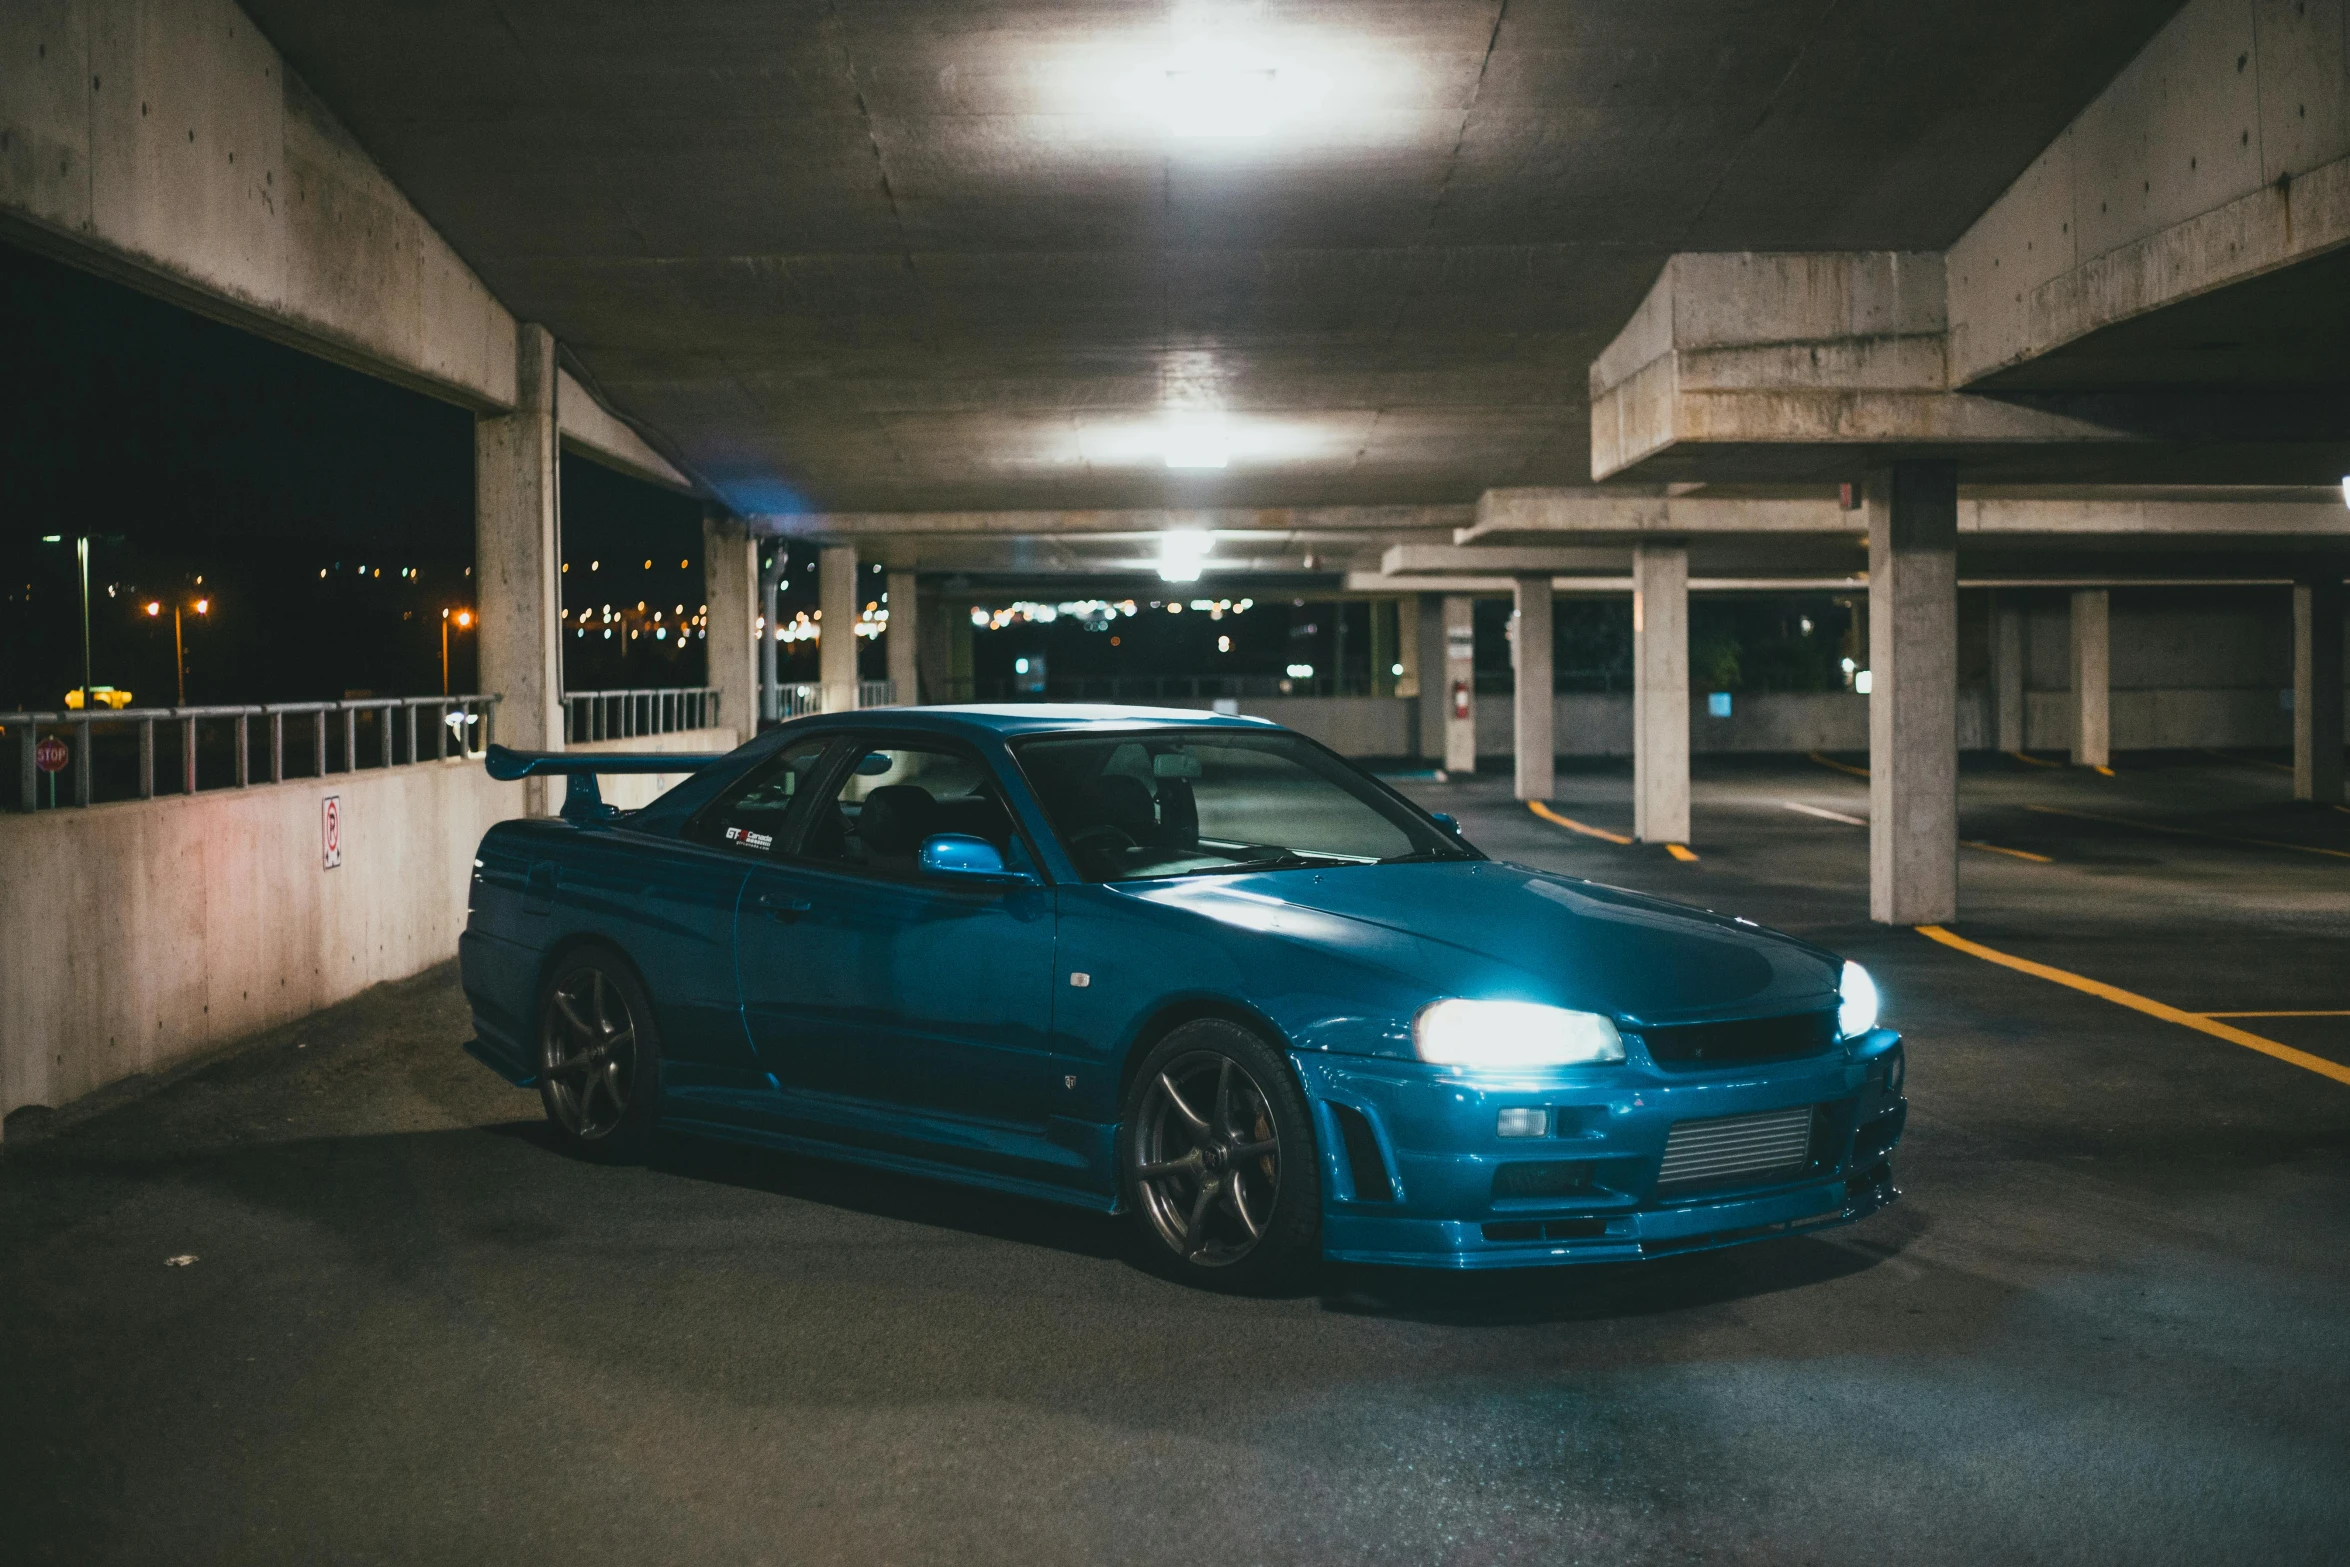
(461, 726)
(649, 710)
(797, 699)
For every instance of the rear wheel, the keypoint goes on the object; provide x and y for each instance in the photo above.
(599, 1055)
(1217, 1159)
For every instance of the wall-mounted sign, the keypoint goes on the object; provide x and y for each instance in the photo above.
(50, 755)
(330, 830)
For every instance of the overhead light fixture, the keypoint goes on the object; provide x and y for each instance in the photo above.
(1180, 555)
(1224, 102)
(2346, 489)
(1197, 441)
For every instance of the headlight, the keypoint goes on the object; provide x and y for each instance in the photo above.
(1502, 1035)
(1856, 1010)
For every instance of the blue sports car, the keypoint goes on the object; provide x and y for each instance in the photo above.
(1193, 968)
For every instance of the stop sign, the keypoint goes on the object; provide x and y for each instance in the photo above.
(49, 755)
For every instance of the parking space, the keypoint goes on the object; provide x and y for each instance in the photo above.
(2105, 1323)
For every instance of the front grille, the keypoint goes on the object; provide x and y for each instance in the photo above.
(1698, 1046)
(1740, 1148)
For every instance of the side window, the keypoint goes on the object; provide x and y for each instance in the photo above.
(895, 796)
(753, 814)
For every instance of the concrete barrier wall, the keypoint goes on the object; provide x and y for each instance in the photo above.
(134, 936)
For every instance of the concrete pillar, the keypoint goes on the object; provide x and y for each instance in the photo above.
(2092, 679)
(730, 585)
(1913, 696)
(1660, 693)
(2317, 688)
(1459, 696)
(771, 619)
(1534, 714)
(1425, 668)
(2007, 671)
(903, 639)
(1386, 654)
(517, 554)
(962, 658)
(934, 663)
(836, 645)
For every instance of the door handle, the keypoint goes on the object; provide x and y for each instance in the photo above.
(783, 907)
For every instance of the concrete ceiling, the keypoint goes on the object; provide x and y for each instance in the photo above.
(932, 255)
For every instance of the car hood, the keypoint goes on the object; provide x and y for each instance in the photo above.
(1490, 929)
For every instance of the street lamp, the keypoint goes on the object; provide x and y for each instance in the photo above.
(464, 619)
(179, 652)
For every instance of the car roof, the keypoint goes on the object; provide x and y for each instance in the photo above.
(1031, 718)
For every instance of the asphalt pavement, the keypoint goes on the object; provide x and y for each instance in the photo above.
(2109, 1322)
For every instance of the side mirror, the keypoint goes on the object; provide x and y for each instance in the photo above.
(1447, 821)
(955, 856)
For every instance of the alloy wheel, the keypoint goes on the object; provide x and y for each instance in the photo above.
(587, 1054)
(1207, 1158)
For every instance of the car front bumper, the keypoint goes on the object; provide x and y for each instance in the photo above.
(1416, 1174)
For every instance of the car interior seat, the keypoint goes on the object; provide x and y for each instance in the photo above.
(895, 820)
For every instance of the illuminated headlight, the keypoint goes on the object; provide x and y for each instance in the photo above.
(1501, 1035)
(1856, 1002)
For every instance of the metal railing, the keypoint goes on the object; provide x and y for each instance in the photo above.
(798, 698)
(623, 715)
(112, 755)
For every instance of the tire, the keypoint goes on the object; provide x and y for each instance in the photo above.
(599, 1055)
(1217, 1163)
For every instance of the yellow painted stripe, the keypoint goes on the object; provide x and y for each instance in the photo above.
(2034, 760)
(1572, 825)
(2021, 854)
(2137, 1003)
(2248, 761)
(2107, 771)
(2188, 832)
(1842, 767)
(2277, 1014)
(1682, 852)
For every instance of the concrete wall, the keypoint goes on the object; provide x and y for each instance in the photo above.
(166, 143)
(134, 936)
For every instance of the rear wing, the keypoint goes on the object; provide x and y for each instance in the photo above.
(582, 801)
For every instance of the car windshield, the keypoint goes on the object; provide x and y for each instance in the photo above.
(1191, 804)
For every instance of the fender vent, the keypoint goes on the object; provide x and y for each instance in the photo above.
(1365, 1166)
(1737, 1148)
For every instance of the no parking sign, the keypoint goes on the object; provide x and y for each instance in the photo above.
(331, 831)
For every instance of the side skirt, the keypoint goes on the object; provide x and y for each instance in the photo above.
(902, 1164)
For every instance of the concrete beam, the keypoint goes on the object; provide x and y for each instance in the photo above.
(1114, 523)
(2220, 153)
(1913, 701)
(1560, 517)
(170, 147)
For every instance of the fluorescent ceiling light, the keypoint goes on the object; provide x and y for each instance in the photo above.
(1180, 555)
(1228, 102)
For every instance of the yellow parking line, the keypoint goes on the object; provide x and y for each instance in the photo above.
(1681, 852)
(2276, 1014)
(2138, 1003)
(1572, 825)
(2107, 771)
(2248, 761)
(2188, 832)
(2034, 760)
(1842, 767)
(2021, 854)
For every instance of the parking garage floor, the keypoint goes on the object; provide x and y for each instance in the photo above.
(2110, 1322)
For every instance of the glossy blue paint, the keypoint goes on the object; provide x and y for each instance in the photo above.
(933, 1022)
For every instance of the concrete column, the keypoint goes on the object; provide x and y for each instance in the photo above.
(836, 601)
(2007, 671)
(1534, 715)
(903, 639)
(517, 570)
(934, 662)
(1660, 694)
(1425, 636)
(2317, 688)
(2092, 679)
(730, 585)
(1458, 699)
(1913, 697)
(962, 658)
(771, 617)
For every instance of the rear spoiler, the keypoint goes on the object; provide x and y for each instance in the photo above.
(582, 802)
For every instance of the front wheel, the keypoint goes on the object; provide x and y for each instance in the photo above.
(1216, 1155)
(599, 1055)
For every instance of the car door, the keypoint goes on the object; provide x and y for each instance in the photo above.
(906, 1010)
